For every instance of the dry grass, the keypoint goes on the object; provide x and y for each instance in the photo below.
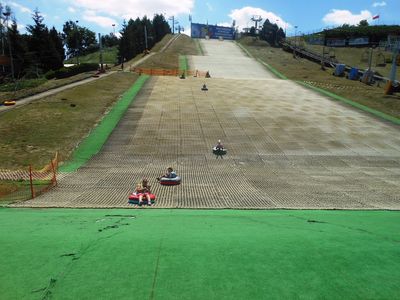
(169, 59)
(33, 133)
(358, 57)
(305, 70)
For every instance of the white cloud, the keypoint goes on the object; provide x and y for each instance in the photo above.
(135, 8)
(243, 17)
(340, 17)
(377, 4)
(71, 9)
(209, 6)
(102, 21)
(225, 24)
(21, 8)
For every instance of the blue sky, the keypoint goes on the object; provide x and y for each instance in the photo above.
(99, 15)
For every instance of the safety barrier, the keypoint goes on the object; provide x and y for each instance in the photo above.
(20, 185)
(168, 72)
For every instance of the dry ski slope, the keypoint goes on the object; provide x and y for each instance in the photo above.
(288, 147)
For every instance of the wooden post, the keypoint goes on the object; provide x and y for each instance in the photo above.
(54, 179)
(31, 182)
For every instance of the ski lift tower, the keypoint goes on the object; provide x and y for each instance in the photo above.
(256, 19)
(392, 84)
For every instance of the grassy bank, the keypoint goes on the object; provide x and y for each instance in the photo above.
(33, 133)
(110, 56)
(169, 59)
(311, 73)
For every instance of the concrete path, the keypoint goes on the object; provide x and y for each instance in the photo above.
(27, 100)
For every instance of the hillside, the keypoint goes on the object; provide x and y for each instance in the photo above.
(110, 56)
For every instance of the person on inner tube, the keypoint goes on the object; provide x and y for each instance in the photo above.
(146, 186)
(140, 192)
(170, 174)
(219, 146)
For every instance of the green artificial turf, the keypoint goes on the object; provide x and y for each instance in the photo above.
(92, 144)
(197, 254)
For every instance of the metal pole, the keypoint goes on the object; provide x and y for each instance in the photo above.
(392, 77)
(101, 53)
(370, 58)
(145, 37)
(323, 53)
(77, 42)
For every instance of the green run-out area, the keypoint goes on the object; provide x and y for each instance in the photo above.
(199, 254)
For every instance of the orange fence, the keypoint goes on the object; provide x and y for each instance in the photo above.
(20, 185)
(168, 72)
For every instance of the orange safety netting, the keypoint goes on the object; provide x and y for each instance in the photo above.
(16, 185)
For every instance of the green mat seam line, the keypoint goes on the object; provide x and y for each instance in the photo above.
(372, 111)
(92, 144)
(183, 63)
(273, 70)
(269, 67)
(244, 49)
(199, 48)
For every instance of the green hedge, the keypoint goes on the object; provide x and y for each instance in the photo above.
(67, 72)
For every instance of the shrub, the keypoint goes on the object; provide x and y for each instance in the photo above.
(77, 69)
(50, 74)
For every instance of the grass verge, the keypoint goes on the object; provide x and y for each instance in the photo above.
(33, 133)
(36, 86)
(225, 254)
(303, 70)
(99, 135)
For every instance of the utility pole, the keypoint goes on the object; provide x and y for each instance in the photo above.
(7, 14)
(173, 24)
(145, 38)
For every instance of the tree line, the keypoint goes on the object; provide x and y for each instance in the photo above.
(269, 32)
(140, 35)
(375, 33)
(42, 49)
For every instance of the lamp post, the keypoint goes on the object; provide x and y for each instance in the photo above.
(113, 25)
(295, 35)
(276, 33)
